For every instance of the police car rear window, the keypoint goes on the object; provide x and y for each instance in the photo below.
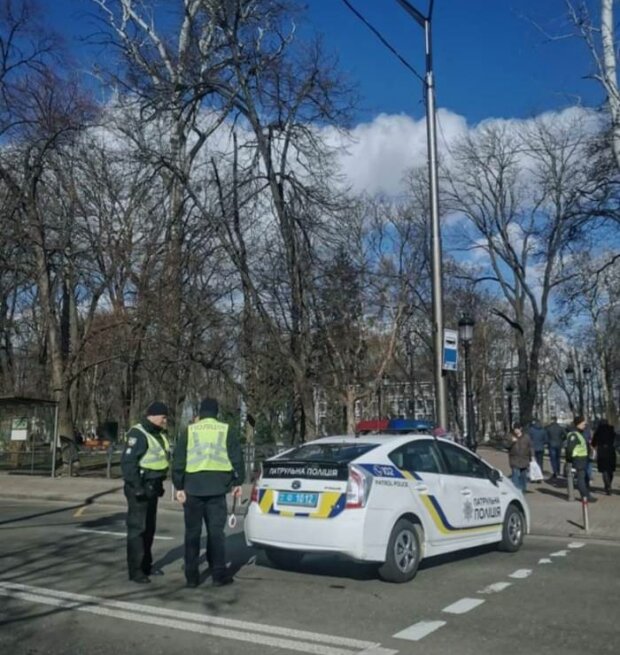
(338, 453)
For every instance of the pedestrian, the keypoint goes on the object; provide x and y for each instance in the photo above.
(144, 464)
(578, 454)
(604, 442)
(520, 453)
(557, 435)
(539, 438)
(207, 465)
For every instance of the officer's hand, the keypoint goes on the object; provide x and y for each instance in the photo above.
(237, 491)
(181, 496)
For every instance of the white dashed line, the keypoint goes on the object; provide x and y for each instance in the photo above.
(520, 574)
(544, 560)
(560, 553)
(462, 606)
(495, 588)
(419, 630)
(576, 544)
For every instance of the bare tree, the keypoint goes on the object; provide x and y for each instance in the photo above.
(521, 191)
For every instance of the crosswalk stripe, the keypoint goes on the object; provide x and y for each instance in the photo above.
(279, 637)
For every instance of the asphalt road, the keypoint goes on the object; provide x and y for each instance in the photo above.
(64, 590)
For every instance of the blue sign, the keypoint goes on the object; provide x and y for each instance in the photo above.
(450, 350)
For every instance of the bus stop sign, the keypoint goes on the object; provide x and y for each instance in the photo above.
(450, 350)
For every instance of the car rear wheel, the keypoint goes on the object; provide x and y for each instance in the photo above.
(284, 559)
(513, 530)
(403, 553)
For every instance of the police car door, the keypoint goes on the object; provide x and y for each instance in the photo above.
(474, 509)
(420, 463)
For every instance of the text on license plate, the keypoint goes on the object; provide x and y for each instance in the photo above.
(298, 498)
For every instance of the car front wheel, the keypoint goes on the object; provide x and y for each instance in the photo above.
(513, 530)
(403, 553)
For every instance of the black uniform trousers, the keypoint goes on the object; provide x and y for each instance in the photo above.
(212, 510)
(141, 520)
(583, 481)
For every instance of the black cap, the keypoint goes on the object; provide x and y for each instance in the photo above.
(208, 408)
(157, 408)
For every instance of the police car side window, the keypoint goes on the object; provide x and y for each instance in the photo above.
(460, 462)
(417, 457)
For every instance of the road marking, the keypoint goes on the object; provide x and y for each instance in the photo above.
(576, 544)
(495, 588)
(419, 630)
(119, 534)
(464, 605)
(544, 560)
(79, 511)
(560, 553)
(278, 637)
(520, 574)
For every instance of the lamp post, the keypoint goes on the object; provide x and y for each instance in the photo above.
(466, 335)
(510, 390)
(436, 258)
(587, 376)
(411, 373)
(569, 371)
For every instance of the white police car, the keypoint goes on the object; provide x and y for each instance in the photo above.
(382, 498)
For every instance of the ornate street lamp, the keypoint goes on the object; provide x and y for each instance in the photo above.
(466, 335)
(587, 375)
(510, 390)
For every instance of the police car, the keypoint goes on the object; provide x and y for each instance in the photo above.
(382, 498)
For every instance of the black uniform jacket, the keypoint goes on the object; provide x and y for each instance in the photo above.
(207, 483)
(136, 446)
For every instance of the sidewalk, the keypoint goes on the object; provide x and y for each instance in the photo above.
(552, 514)
(79, 490)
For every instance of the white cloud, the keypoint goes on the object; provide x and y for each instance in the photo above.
(375, 156)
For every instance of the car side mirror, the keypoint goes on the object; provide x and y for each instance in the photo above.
(495, 476)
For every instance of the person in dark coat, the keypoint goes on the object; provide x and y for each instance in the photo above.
(557, 436)
(144, 464)
(520, 453)
(540, 439)
(604, 441)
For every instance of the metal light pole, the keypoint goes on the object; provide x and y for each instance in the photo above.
(411, 373)
(436, 257)
(466, 334)
(509, 390)
(587, 374)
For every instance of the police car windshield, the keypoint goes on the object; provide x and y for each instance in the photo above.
(340, 453)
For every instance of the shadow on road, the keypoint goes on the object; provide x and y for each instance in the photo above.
(87, 501)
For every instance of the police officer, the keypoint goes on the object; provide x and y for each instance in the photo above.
(578, 453)
(207, 464)
(144, 464)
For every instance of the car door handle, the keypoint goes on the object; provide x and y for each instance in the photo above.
(466, 492)
(421, 487)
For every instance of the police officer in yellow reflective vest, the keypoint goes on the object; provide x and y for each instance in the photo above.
(578, 453)
(207, 465)
(144, 464)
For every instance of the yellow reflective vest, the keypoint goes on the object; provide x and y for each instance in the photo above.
(580, 449)
(156, 457)
(207, 448)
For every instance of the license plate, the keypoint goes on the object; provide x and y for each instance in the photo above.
(298, 498)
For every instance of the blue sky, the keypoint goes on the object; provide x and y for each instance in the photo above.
(490, 59)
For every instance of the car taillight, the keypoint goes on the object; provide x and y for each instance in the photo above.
(358, 488)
